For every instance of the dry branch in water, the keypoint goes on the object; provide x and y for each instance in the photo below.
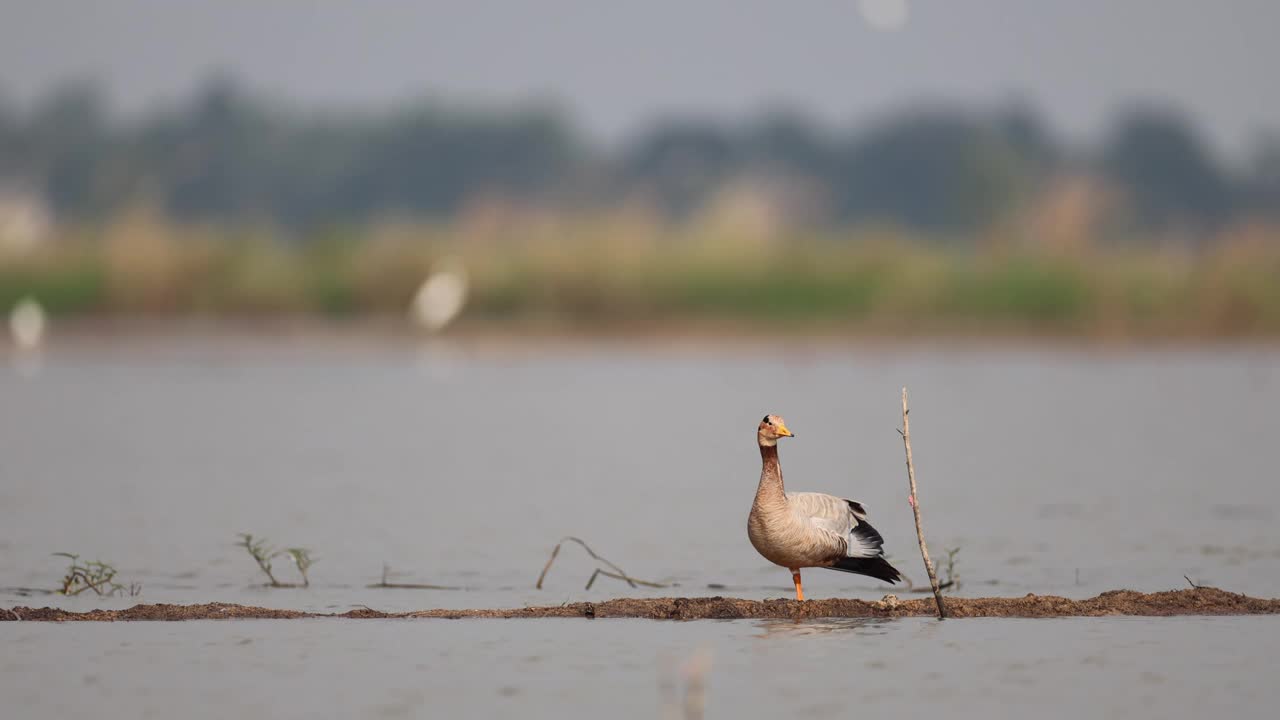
(618, 573)
(911, 586)
(905, 432)
(635, 581)
(386, 583)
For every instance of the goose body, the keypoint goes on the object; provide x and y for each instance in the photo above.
(806, 529)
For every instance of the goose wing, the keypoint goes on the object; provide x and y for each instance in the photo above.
(841, 521)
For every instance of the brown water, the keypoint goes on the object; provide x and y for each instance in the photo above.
(1053, 472)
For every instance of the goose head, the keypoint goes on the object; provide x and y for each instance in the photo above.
(771, 428)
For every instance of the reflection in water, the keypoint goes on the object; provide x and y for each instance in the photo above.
(825, 626)
(28, 363)
(689, 675)
(27, 324)
(441, 359)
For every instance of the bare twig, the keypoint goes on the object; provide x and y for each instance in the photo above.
(616, 576)
(911, 588)
(14, 613)
(618, 572)
(1192, 584)
(386, 583)
(922, 590)
(915, 508)
(28, 591)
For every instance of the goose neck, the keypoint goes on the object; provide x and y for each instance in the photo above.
(770, 473)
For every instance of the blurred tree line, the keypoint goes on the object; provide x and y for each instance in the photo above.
(226, 154)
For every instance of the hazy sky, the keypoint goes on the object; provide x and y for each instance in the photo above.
(617, 64)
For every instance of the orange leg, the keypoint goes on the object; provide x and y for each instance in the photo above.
(795, 578)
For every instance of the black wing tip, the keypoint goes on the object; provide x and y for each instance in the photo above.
(867, 534)
(876, 567)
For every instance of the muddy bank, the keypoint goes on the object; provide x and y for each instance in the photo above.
(1198, 601)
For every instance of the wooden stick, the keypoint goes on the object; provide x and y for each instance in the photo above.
(905, 432)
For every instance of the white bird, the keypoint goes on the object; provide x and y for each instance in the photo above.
(441, 297)
(27, 324)
(799, 530)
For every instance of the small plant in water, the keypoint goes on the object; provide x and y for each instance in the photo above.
(949, 569)
(302, 560)
(93, 575)
(949, 579)
(263, 553)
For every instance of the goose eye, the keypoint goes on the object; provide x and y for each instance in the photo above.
(766, 420)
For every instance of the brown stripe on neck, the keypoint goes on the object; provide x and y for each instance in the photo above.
(770, 474)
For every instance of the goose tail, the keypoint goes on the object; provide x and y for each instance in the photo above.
(876, 567)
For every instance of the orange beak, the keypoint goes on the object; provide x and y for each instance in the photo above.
(782, 430)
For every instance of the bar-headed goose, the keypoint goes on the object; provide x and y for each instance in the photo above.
(799, 530)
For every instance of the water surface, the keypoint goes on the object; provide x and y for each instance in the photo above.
(1053, 472)
(1067, 668)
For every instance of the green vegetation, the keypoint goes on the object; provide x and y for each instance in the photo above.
(95, 575)
(263, 553)
(951, 578)
(615, 271)
(229, 204)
